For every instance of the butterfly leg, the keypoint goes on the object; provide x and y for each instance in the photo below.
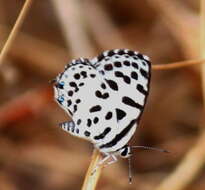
(104, 159)
(101, 162)
(114, 159)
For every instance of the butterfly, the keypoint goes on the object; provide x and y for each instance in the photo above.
(105, 97)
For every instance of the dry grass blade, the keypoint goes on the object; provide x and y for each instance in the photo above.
(15, 29)
(177, 65)
(48, 60)
(71, 19)
(185, 33)
(91, 180)
(187, 169)
(101, 25)
(202, 45)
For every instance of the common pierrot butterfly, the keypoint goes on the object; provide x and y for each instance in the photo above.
(105, 96)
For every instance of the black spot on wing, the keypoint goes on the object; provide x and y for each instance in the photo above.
(89, 122)
(84, 74)
(141, 89)
(144, 73)
(100, 95)
(121, 52)
(103, 134)
(119, 136)
(69, 102)
(135, 65)
(77, 76)
(79, 121)
(78, 101)
(140, 56)
(120, 114)
(70, 93)
(108, 115)
(111, 53)
(73, 84)
(103, 86)
(112, 84)
(95, 120)
(126, 79)
(130, 102)
(117, 64)
(77, 130)
(108, 67)
(95, 108)
(101, 57)
(81, 84)
(134, 75)
(87, 133)
(118, 74)
(131, 53)
(92, 75)
(126, 63)
(105, 95)
(75, 108)
(102, 72)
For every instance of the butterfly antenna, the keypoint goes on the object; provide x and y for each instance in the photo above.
(130, 170)
(151, 148)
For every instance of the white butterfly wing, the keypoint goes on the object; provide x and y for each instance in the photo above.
(127, 73)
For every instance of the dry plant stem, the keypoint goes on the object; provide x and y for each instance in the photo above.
(177, 65)
(202, 45)
(91, 178)
(71, 19)
(186, 33)
(187, 169)
(102, 27)
(15, 29)
(49, 59)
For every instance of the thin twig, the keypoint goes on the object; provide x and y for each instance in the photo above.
(91, 178)
(15, 29)
(49, 58)
(177, 65)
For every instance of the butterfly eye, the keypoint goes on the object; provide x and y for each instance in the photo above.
(60, 99)
(60, 84)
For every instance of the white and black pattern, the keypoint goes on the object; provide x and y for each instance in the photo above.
(105, 97)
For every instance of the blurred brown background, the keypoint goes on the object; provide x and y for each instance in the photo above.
(34, 152)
